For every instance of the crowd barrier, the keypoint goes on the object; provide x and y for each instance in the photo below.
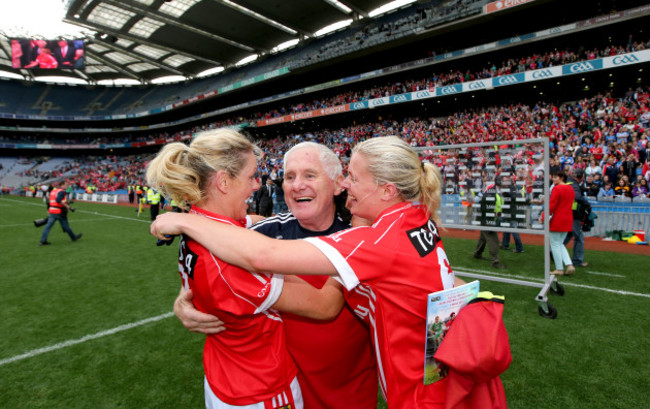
(624, 217)
(99, 197)
(611, 215)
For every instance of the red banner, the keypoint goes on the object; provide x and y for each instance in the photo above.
(304, 115)
(503, 4)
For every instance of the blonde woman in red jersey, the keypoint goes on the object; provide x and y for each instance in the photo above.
(248, 366)
(388, 268)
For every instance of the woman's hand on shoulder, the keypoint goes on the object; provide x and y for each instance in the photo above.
(167, 224)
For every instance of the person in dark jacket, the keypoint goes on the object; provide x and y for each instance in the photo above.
(491, 202)
(580, 205)
(265, 194)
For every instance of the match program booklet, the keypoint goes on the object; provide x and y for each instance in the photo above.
(442, 308)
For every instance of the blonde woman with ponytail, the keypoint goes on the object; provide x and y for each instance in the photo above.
(387, 268)
(248, 365)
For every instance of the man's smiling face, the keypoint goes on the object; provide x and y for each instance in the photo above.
(308, 189)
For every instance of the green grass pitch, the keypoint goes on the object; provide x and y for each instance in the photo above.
(88, 324)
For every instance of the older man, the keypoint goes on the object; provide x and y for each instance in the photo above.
(335, 360)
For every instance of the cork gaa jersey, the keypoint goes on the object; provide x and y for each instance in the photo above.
(249, 362)
(389, 269)
(336, 366)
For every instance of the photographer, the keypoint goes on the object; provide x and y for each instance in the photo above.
(58, 210)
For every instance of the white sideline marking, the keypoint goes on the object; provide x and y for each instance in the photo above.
(84, 211)
(65, 344)
(75, 222)
(115, 217)
(598, 273)
(564, 282)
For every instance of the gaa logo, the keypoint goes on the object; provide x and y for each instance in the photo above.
(400, 98)
(626, 59)
(448, 90)
(507, 80)
(358, 105)
(476, 85)
(422, 94)
(542, 74)
(581, 67)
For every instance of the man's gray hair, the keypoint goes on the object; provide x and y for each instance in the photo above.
(328, 158)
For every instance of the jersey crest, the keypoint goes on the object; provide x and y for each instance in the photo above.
(424, 238)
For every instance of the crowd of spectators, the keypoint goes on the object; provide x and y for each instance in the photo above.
(86, 139)
(512, 65)
(606, 137)
(602, 135)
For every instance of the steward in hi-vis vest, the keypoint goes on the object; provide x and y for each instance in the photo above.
(153, 198)
(58, 210)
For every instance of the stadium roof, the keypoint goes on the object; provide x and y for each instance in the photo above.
(145, 40)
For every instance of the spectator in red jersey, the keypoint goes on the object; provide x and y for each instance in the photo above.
(388, 268)
(249, 365)
(561, 222)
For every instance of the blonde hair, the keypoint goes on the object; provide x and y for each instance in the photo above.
(392, 160)
(181, 172)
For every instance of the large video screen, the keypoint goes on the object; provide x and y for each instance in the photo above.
(47, 54)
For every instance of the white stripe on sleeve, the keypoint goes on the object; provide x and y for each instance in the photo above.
(277, 282)
(346, 273)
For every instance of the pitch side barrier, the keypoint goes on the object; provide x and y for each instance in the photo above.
(519, 170)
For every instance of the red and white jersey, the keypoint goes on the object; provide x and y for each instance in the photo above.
(335, 359)
(342, 373)
(249, 363)
(389, 269)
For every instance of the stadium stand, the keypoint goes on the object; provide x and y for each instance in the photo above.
(607, 120)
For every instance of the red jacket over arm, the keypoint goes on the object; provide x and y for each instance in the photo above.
(476, 350)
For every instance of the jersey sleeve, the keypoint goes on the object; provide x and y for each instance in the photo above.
(277, 283)
(346, 274)
(358, 254)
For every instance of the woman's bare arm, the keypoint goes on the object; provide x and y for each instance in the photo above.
(247, 249)
(301, 298)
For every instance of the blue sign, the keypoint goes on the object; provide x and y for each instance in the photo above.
(508, 79)
(449, 90)
(583, 66)
(358, 105)
(396, 99)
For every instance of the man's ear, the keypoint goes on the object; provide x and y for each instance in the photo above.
(337, 185)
